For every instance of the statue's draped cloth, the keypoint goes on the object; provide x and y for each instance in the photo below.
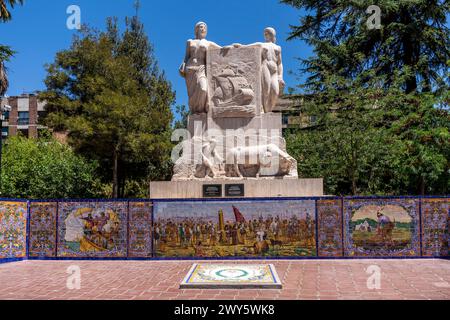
(198, 98)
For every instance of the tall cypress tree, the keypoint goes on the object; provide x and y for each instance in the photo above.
(413, 41)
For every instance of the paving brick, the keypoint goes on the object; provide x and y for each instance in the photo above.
(159, 280)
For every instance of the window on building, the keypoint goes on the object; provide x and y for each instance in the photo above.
(6, 115)
(24, 118)
(285, 119)
(5, 132)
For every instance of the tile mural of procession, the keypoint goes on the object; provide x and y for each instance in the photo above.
(238, 229)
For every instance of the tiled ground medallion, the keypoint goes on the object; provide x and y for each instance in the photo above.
(231, 276)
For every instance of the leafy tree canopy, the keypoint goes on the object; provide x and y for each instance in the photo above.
(379, 97)
(413, 41)
(107, 92)
(43, 169)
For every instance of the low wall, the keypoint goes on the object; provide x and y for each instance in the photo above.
(322, 227)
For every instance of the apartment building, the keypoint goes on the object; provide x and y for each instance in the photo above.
(293, 117)
(23, 117)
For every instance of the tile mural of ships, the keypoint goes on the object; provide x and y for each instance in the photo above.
(92, 229)
(241, 229)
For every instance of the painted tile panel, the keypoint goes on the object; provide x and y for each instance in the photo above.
(92, 229)
(257, 228)
(381, 227)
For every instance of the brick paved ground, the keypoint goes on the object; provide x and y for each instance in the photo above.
(304, 279)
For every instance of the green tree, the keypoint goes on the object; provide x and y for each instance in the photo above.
(106, 91)
(413, 41)
(423, 139)
(346, 144)
(372, 143)
(376, 96)
(183, 113)
(44, 168)
(5, 54)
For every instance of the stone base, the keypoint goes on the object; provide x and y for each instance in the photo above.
(253, 188)
(231, 276)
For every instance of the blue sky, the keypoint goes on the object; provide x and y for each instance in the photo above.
(38, 30)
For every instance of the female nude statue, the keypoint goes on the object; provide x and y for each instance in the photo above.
(193, 69)
(272, 69)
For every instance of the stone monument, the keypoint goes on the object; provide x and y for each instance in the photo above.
(233, 136)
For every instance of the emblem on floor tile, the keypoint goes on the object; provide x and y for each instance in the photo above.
(241, 276)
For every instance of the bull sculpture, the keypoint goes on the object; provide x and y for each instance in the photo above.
(267, 160)
(258, 158)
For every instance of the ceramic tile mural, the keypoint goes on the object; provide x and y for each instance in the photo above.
(140, 230)
(329, 220)
(13, 229)
(42, 237)
(435, 227)
(92, 229)
(257, 228)
(381, 227)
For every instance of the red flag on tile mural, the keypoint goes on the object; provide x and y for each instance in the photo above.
(238, 215)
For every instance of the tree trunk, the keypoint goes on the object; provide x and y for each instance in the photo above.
(354, 185)
(422, 186)
(3, 79)
(122, 180)
(354, 166)
(115, 194)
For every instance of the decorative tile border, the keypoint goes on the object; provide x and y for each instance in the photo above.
(43, 224)
(329, 213)
(435, 227)
(140, 230)
(13, 230)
